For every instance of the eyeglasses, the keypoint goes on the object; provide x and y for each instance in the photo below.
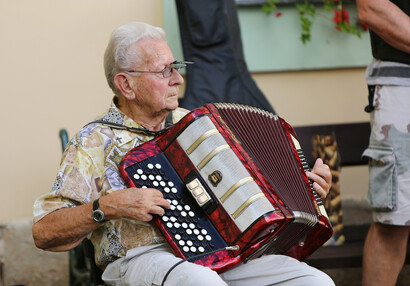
(167, 71)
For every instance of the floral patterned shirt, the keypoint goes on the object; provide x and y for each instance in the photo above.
(89, 169)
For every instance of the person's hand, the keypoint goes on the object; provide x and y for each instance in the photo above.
(133, 203)
(322, 178)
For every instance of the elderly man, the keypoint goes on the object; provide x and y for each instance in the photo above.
(89, 198)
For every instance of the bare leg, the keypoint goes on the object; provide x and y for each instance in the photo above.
(384, 254)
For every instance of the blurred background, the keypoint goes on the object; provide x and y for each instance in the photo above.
(52, 77)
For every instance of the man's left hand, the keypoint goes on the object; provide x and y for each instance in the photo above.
(322, 178)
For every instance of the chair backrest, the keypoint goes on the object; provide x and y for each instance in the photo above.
(64, 138)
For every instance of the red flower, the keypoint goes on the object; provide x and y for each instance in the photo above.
(278, 14)
(364, 26)
(341, 16)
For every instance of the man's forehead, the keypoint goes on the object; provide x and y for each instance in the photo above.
(155, 52)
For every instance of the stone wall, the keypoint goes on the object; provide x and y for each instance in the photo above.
(22, 263)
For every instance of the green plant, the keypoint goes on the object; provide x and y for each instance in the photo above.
(307, 13)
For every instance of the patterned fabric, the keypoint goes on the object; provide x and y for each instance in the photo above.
(389, 154)
(89, 169)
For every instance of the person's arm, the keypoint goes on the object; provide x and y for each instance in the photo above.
(387, 20)
(322, 178)
(65, 228)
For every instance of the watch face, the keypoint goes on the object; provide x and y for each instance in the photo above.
(98, 215)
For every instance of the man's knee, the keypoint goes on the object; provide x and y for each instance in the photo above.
(318, 279)
(206, 278)
(196, 275)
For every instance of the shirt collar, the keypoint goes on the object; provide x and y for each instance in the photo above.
(116, 116)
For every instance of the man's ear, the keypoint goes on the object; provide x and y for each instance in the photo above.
(123, 85)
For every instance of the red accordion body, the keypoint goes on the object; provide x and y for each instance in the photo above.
(235, 176)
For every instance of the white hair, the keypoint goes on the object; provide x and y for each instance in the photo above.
(117, 56)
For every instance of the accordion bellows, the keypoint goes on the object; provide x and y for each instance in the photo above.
(235, 176)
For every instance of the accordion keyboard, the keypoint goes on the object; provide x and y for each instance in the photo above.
(184, 221)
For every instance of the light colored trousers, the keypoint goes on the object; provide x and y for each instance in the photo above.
(391, 130)
(148, 266)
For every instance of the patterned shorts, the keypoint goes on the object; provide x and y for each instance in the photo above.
(389, 156)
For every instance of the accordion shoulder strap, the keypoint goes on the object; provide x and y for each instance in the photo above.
(168, 123)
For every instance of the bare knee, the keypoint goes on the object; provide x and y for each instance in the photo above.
(392, 233)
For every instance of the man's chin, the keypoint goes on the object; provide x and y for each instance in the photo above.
(173, 105)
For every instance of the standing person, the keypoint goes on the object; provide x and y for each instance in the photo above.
(388, 78)
(143, 75)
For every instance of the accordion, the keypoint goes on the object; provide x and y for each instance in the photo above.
(235, 178)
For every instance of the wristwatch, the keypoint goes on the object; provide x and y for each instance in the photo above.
(98, 215)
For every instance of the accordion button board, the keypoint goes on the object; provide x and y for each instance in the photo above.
(184, 221)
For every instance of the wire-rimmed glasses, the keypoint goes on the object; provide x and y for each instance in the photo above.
(167, 71)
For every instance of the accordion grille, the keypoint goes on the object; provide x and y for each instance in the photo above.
(262, 135)
(238, 192)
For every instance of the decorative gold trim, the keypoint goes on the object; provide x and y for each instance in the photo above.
(200, 139)
(235, 187)
(212, 154)
(296, 143)
(246, 204)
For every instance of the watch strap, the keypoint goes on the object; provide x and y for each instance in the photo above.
(97, 211)
(96, 204)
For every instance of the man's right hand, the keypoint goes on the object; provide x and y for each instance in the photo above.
(133, 203)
